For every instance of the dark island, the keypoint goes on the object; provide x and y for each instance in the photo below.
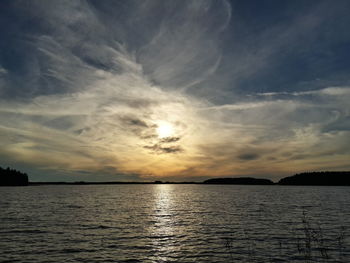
(318, 178)
(239, 180)
(11, 177)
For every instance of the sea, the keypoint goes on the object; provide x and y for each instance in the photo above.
(174, 223)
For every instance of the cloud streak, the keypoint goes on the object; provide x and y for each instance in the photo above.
(89, 83)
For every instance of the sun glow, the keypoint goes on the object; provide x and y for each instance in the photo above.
(165, 130)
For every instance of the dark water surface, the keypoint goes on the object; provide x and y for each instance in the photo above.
(174, 223)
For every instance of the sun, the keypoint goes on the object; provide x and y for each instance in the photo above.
(165, 130)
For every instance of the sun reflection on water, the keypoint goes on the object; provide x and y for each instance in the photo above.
(163, 231)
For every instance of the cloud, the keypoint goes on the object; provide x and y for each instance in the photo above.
(330, 91)
(3, 71)
(185, 50)
(248, 156)
(89, 82)
(160, 148)
(170, 139)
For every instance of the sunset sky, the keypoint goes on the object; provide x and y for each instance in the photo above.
(174, 90)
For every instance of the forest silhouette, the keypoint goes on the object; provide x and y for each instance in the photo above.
(12, 177)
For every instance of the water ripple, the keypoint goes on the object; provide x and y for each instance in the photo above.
(172, 223)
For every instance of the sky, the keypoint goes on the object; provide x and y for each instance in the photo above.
(174, 90)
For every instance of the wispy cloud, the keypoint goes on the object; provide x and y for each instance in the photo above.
(90, 82)
(331, 91)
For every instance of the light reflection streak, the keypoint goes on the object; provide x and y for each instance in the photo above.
(163, 231)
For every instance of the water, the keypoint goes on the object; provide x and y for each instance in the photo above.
(172, 223)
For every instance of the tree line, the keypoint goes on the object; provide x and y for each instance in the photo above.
(12, 177)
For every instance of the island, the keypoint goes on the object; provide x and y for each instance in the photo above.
(318, 178)
(12, 177)
(239, 180)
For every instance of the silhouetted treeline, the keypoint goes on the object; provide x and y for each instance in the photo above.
(239, 180)
(103, 183)
(12, 177)
(318, 178)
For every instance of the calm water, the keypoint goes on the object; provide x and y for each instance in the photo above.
(172, 223)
